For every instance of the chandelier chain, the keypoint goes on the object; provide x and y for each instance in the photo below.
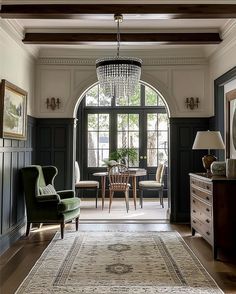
(118, 38)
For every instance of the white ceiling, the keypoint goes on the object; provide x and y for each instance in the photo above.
(131, 23)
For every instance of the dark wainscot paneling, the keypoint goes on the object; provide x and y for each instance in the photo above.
(55, 139)
(14, 155)
(183, 160)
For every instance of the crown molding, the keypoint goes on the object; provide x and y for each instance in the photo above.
(16, 32)
(146, 61)
(229, 40)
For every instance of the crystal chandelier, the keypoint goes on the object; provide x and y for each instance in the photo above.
(118, 76)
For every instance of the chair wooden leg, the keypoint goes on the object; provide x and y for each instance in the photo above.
(77, 223)
(111, 198)
(161, 198)
(96, 197)
(141, 198)
(28, 227)
(62, 230)
(127, 200)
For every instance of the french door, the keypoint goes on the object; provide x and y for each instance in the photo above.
(145, 130)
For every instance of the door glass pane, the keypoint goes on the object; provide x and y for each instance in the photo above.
(152, 139)
(103, 122)
(122, 141)
(133, 139)
(92, 140)
(103, 140)
(162, 156)
(134, 122)
(92, 158)
(122, 122)
(128, 133)
(152, 121)
(152, 157)
(157, 138)
(92, 122)
(98, 139)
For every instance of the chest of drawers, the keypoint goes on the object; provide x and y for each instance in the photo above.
(213, 210)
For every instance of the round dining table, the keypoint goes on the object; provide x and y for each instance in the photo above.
(133, 172)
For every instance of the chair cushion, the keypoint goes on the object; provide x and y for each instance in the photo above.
(150, 184)
(87, 184)
(49, 189)
(68, 204)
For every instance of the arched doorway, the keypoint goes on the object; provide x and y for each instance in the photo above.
(106, 125)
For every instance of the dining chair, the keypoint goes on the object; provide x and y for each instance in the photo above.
(79, 185)
(119, 182)
(157, 185)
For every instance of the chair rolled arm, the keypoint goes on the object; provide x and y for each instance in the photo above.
(48, 198)
(66, 194)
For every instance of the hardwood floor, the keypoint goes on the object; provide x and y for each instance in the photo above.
(20, 258)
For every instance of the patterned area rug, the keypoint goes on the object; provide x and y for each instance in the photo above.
(117, 263)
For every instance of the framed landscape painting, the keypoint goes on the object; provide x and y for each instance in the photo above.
(231, 124)
(13, 112)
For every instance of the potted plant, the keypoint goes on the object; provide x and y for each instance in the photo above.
(123, 155)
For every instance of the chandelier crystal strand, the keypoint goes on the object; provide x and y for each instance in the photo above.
(118, 76)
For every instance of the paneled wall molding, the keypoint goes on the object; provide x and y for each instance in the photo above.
(162, 60)
(14, 155)
(182, 161)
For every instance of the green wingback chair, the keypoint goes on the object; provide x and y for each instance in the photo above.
(43, 203)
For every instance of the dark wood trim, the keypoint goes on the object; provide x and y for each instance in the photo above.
(218, 121)
(229, 97)
(69, 11)
(162, 38)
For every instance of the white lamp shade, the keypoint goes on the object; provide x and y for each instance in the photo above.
(208, 140)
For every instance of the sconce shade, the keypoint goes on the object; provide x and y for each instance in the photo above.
(208, 140)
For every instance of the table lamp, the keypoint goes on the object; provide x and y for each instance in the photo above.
(208, 140)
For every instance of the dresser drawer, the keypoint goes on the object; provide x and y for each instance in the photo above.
(201, 209)
(204, 185)
(204, 229)
(205, 195)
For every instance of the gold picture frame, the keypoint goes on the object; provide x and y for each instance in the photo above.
(13, 111)
(231, 124)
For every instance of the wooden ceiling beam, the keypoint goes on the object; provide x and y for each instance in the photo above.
(69, 11)
(83, 38)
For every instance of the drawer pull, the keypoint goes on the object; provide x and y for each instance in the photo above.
(208, 233)
(207, 198)
(208, 188)
(194, 210)
(207, 209)
(194, 201)
(207, 220)
(194, 221)
(193, 191)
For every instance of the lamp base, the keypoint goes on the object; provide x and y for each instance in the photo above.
(207, 161)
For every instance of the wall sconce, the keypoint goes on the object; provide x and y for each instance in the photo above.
(192, 102)
(53, 103)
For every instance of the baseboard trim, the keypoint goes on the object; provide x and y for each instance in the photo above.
(11, 237)
(122, 221)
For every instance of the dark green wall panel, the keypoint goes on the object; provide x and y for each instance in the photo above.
(14, 155)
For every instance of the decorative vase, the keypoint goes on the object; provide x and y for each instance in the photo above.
(231, 168)
(218, 168)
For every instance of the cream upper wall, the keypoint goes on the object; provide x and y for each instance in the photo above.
(17, 66)
(175, 78)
